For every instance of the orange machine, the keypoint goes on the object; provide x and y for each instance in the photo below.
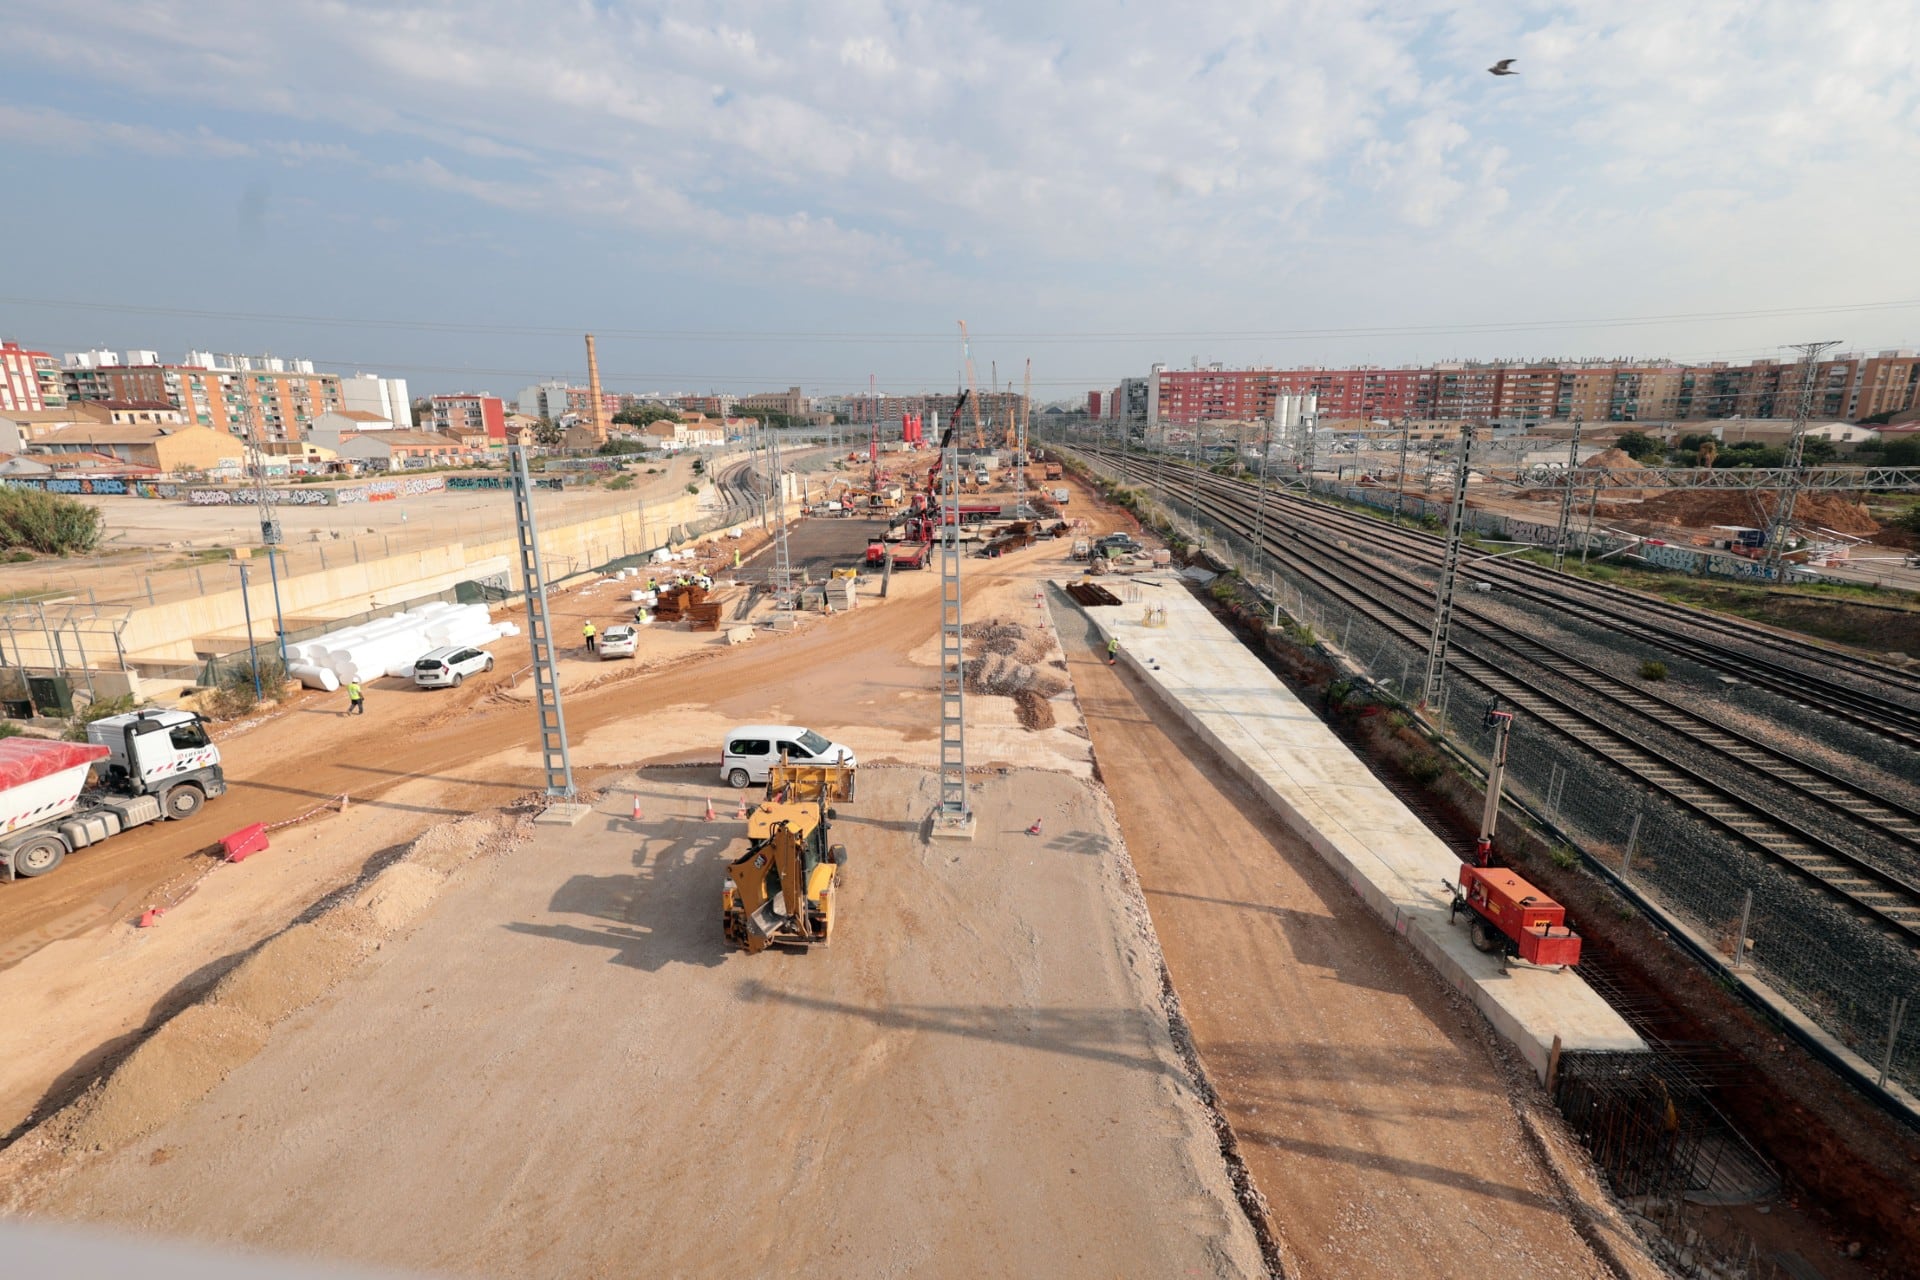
(1511, 915)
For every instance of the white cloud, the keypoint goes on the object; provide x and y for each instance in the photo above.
(1217, 146)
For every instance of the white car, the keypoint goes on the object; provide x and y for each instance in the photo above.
(450, 666)
(618, 642)
(750, 751)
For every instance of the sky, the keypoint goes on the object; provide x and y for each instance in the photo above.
(750, 196)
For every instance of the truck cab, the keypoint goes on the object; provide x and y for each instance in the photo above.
(165, 754)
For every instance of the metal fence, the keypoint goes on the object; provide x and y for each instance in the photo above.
(1849, 976)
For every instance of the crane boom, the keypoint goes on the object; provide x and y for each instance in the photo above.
(966, 349)
(1026, 410)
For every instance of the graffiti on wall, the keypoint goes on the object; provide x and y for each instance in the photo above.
(476, 482)
(388, 490)
(64, 484)
(1667, 557)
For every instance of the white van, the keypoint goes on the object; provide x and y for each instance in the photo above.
(751, 750)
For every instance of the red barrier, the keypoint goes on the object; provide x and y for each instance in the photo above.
(245, 842)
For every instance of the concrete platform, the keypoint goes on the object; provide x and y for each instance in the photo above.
(1329, 798)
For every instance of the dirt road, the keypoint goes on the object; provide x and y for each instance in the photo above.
(1371, 1113)
(975, 1079)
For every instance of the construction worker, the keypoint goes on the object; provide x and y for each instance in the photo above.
(653, 584)
(356, 701)
(589, 632)
(1113, 649)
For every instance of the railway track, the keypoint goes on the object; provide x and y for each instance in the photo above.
(1758, 794)
(1869, 695)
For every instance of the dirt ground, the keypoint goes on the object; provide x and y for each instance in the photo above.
(80, 981)
(996, 1056)
(1369, 1105)
(975, 1079)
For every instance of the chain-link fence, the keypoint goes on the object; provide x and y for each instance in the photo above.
(1849, 974)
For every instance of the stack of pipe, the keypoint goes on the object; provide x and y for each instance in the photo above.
(390, 646)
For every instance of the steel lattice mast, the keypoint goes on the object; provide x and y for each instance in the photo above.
(1810, 353)
(1449, 568)
(953, 816)
(1566, 500)
(546, 674)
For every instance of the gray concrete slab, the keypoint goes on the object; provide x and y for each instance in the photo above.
(1328, 797)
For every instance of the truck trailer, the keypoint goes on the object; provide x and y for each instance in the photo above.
(142, 767)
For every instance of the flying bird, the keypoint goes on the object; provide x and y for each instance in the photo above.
(1504, 67)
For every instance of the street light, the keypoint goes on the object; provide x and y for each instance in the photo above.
(246, 605)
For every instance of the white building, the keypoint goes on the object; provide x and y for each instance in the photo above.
(544, 400)
(382, 397)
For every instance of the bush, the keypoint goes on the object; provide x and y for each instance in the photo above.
(1652, 669)
(693, 488)
(234, 696)
(1565, 857)
(620, 482)
(47, 522)
(8, 729)
(1426, 768)
(98, 709)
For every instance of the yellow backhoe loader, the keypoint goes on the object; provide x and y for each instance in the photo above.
(781, 891)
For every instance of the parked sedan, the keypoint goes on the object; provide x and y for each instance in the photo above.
(618, 642)
(450, 666)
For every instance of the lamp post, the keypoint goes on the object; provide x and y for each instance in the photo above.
(246, 605)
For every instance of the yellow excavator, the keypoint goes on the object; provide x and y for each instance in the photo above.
(781, 891)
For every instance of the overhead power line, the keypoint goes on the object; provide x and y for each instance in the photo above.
(898, 337)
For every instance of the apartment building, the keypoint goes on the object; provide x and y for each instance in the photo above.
(29, 380)
(1887, 383)
(1520, 394)
(469, 413)
(236, 394)
(383, 397)
(789, 402)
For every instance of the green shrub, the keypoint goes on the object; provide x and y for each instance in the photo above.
(1565, 857)
(234, 694)
(98, 709)
(8, 729)
(1426, 768)
(693, 488)
(47, 522)
(1652, 669)
(620, 482)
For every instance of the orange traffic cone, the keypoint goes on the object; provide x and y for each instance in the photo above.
(709, 808)
(151, 917)
(1034, 830)
(742, 815)
(637, 815)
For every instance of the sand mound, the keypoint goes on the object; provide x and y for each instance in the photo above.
(399, 894)
(1014, 661)
(194, 1050)
(1034, 710)
(177, 1066)
(1703, 509)
(445, 848)
(289, 972)
(1613, 460)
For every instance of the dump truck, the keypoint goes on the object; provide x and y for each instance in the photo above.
(56, 797)
(781, 890)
